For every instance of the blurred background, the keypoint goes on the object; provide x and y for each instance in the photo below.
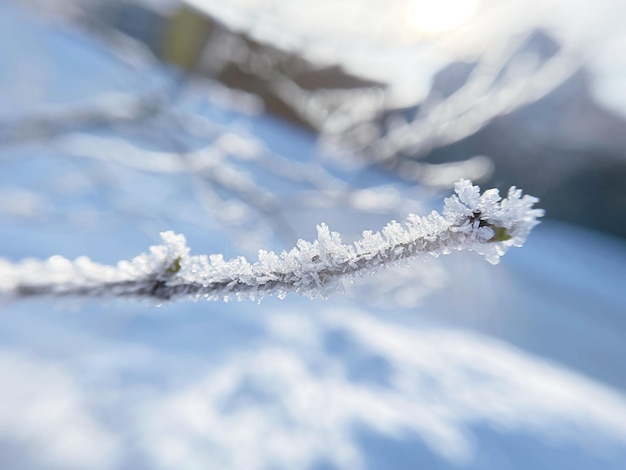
(243, 125)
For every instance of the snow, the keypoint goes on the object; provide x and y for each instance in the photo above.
(513, 366)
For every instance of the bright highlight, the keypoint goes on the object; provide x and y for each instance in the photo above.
(437, 16)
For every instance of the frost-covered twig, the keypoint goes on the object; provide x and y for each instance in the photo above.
(483, 223)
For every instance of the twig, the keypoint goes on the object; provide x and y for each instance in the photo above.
(483, 223)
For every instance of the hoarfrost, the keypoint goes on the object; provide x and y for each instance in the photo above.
(484, 223)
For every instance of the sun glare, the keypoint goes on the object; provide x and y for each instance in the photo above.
(437, 16)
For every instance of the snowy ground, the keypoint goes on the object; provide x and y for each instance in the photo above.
(515, 366)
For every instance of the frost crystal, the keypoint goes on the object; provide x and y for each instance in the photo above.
(484, 223)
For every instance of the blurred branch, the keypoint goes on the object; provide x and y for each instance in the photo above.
(103, 111)
(473, 106)
(503, 80)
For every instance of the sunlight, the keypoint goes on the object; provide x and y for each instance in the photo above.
(429, 16)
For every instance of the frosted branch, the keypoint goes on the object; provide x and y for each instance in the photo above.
(486, 224)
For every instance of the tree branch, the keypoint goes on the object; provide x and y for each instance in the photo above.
(483, 223)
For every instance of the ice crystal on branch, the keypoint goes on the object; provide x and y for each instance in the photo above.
(484, 223)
